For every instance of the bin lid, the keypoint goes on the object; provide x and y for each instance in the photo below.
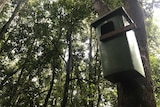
(118, 11)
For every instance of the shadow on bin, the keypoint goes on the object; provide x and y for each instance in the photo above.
(121, 60)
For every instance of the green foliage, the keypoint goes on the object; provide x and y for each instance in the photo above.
(36, 46)
(153, 35)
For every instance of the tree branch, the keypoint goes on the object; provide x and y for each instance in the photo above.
(5, 27)
(2, 3)
(100, 7)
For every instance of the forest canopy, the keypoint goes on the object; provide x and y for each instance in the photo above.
(49, 54)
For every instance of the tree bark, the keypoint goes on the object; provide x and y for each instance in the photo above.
(137, 93)
(68, 69)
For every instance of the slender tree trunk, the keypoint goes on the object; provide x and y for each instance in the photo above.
(90, 69)
(5, 27)
(3, 30)
(50, 89)
(68, 69)
(140, 92)
(13, 96)
(97, 66)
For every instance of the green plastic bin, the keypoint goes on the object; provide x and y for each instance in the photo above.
(120, 56)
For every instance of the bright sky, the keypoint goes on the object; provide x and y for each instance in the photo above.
(157, 16)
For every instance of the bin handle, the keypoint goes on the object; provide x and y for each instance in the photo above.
(118, 31)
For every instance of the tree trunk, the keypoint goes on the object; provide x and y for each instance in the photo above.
(90, 69)
(68, 69)
(50, 89)
(137, 93)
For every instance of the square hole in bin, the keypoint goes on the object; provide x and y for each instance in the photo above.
(107, 27)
